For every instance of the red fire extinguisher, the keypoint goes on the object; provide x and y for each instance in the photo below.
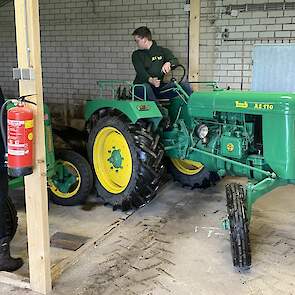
(20, 123)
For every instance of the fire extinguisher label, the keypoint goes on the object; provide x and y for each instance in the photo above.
(16, 152)
(29, 124)
(15, 123)
(16, 138)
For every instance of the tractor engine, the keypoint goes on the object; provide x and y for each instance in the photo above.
(234, 136)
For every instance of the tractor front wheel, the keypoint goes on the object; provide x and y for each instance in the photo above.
(72, 181)
(127, 161)
(239, 226)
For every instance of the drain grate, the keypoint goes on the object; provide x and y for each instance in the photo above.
(67, 241)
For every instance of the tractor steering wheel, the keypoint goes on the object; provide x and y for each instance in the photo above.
(173, 68)
(173, 79)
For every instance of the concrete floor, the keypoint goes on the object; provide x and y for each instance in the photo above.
(175, 245)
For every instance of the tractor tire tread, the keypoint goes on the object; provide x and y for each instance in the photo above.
(239, 226)
(201, 180)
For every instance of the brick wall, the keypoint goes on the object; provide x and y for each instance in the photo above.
(7, 49)
(229, 61)
(83, 41)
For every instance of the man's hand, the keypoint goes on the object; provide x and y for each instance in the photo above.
(166, 67)
(154, 81)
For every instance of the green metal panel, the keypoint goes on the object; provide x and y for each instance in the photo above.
(231, 147)
(205, 104)
(134, 110)
(50, 157)
(279, 144)
(16, 183)
(259, 162)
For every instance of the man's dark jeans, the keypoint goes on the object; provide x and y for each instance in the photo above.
(154, 93)
(3, 183)
(3, 196)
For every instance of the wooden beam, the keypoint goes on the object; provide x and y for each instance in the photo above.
(194, 42)
(29, 56)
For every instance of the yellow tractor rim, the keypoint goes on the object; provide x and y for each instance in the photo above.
(74, 171)
(112, 160)
(187, 167)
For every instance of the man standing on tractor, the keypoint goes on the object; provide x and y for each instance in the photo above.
(151, 63)
(7, 263)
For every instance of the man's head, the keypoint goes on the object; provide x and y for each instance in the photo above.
(142, 37)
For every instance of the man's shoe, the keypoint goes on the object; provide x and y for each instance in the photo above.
(8, 263)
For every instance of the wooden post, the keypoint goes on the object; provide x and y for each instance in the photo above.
(29, 56)
(194, 41)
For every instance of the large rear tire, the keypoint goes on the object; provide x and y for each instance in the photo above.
(239, 226)
(73, 181)
(127, 161)
(190, 174)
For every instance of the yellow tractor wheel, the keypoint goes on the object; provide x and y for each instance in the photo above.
(127, 161)
(112, 160)
(189, 173)
(73, 179)
(187, 167)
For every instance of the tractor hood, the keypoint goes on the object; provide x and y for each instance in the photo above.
(206, 103)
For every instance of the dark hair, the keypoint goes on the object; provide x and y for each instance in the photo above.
(143, 32)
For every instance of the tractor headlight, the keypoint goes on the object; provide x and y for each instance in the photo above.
(202, 131)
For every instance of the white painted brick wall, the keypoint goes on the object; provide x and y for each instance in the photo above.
(231, 64)
(7, 49)
(84, 41)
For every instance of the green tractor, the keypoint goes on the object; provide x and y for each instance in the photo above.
(69, 175)
(219, 132)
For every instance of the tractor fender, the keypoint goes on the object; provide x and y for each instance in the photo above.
(134, 110)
